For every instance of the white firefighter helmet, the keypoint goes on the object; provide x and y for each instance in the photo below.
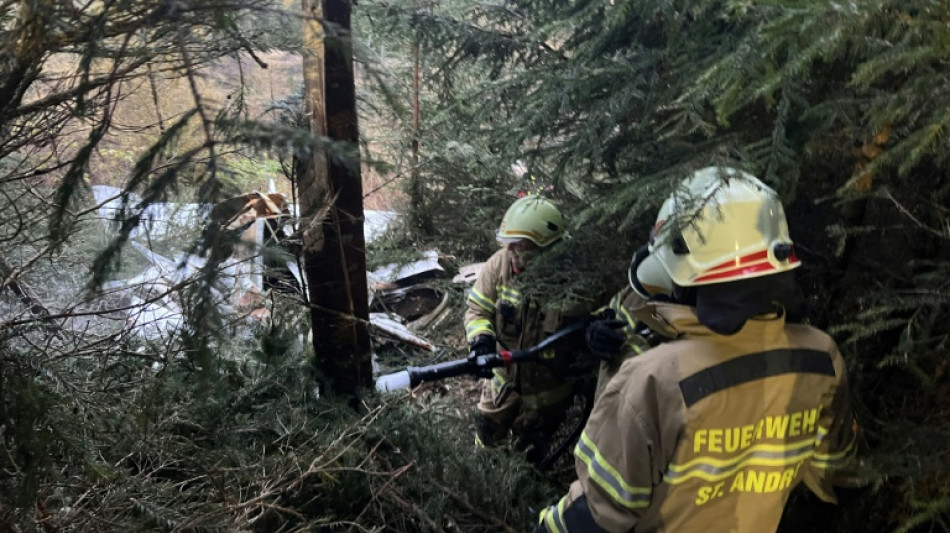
(534, 218)
(721, 225)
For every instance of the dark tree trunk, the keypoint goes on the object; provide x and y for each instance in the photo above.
(331, 196)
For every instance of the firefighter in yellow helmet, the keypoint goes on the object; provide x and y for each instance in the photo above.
(527, 399)
(711, 430)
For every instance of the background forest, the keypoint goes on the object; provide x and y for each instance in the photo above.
(842, 107)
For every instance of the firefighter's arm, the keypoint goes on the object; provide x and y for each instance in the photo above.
(570, 514)
(620, 304)
(612, 333)
(633, 343)
(480, 303)
(835, 441)
(614, 459)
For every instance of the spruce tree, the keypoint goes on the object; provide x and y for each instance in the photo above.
(842, 107)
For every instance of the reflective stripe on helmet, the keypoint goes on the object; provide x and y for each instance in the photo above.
(514, 235)
(533, 218)
(720, 225)
(748, 266)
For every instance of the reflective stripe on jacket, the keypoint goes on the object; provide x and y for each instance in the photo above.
(621, 304)
(711, 432)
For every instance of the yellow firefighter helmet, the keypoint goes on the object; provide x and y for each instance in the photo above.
(720, 225)
(534, 218)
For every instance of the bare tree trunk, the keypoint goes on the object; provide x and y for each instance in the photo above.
(421, 221)
(331, 195)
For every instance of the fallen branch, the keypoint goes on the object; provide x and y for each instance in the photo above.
(398, 472)
(471, 508)
(21, 289)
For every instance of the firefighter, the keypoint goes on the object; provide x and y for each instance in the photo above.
(711, 430)
(527, 399)
(637, 332)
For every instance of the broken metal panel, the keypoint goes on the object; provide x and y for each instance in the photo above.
(433, 318)
(376, 223)
(402, 288)
(386, 326)
(240, 281)
(468, 273)
(159, 220)
(161, 319)
(411, 303)
(403, 274)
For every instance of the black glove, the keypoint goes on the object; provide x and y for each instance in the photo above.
(604, 338)
(482, 345)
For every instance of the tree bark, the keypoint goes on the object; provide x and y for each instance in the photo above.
(331, 195)
(421, 221)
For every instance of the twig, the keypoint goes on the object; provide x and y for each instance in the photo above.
(887, 194)
(26, 294)
(470, 508)
(415, 509)
(398, 472)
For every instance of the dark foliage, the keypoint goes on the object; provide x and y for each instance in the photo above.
(842, 107)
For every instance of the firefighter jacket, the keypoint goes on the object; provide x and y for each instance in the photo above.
(630, 307)
(635, 310)
(710, 432)
(496, 307)
(639, 319)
